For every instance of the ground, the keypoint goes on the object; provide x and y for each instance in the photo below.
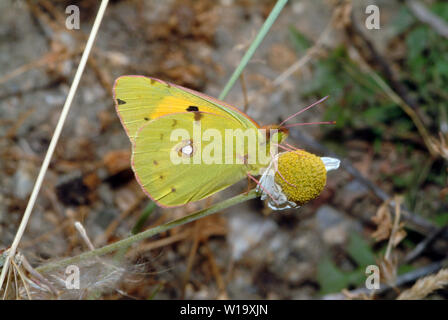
(247, 251)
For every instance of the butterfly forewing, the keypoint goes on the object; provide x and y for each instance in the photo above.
(141, 99)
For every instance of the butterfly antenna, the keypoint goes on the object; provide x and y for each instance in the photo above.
(304, 109)
(308, 123)
(259, 184)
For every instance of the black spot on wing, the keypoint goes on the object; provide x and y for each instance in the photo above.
(120, 102)
(146, 119)
(192, 108)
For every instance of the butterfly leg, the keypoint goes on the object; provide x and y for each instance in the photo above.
(264, 189)
(248, 185)
(292, 147)
(282, 147)
(277, 171)
(289, 147)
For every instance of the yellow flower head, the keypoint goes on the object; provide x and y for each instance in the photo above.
(301, 175)
(295, 177)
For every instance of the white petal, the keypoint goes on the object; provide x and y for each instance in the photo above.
(277, 200)
(330, 163)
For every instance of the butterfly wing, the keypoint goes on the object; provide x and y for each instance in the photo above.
(140, 99)
(172, 163)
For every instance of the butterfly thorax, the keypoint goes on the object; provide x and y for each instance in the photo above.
(276, 133)
(269, 138)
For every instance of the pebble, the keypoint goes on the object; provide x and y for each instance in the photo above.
(246, 230)
(333, 225)
(23, 180)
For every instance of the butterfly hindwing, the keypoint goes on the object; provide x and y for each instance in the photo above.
(170, 183)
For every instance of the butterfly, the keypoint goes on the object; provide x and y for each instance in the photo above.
(152, 110)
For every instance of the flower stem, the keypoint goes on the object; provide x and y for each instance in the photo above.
(149, 233)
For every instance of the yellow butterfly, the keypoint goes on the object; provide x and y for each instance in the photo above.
(186, 145)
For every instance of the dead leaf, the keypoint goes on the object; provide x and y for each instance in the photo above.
(399, 235)
(117, 161)
(388, 270)
(383, 220)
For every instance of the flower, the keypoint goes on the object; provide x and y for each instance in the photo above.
(293, 178)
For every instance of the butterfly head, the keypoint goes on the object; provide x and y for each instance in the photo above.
(276, 133)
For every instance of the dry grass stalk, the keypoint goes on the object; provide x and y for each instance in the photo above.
(396, 233)
(53, 142)
(440, 146)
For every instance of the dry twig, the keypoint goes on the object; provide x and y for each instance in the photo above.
(401, 280)
(426, 16)
(413, 221)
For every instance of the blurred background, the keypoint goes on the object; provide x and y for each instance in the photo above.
(388, 94)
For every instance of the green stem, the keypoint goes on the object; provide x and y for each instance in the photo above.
(250, 52)
(149, 233)
(144, 216)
